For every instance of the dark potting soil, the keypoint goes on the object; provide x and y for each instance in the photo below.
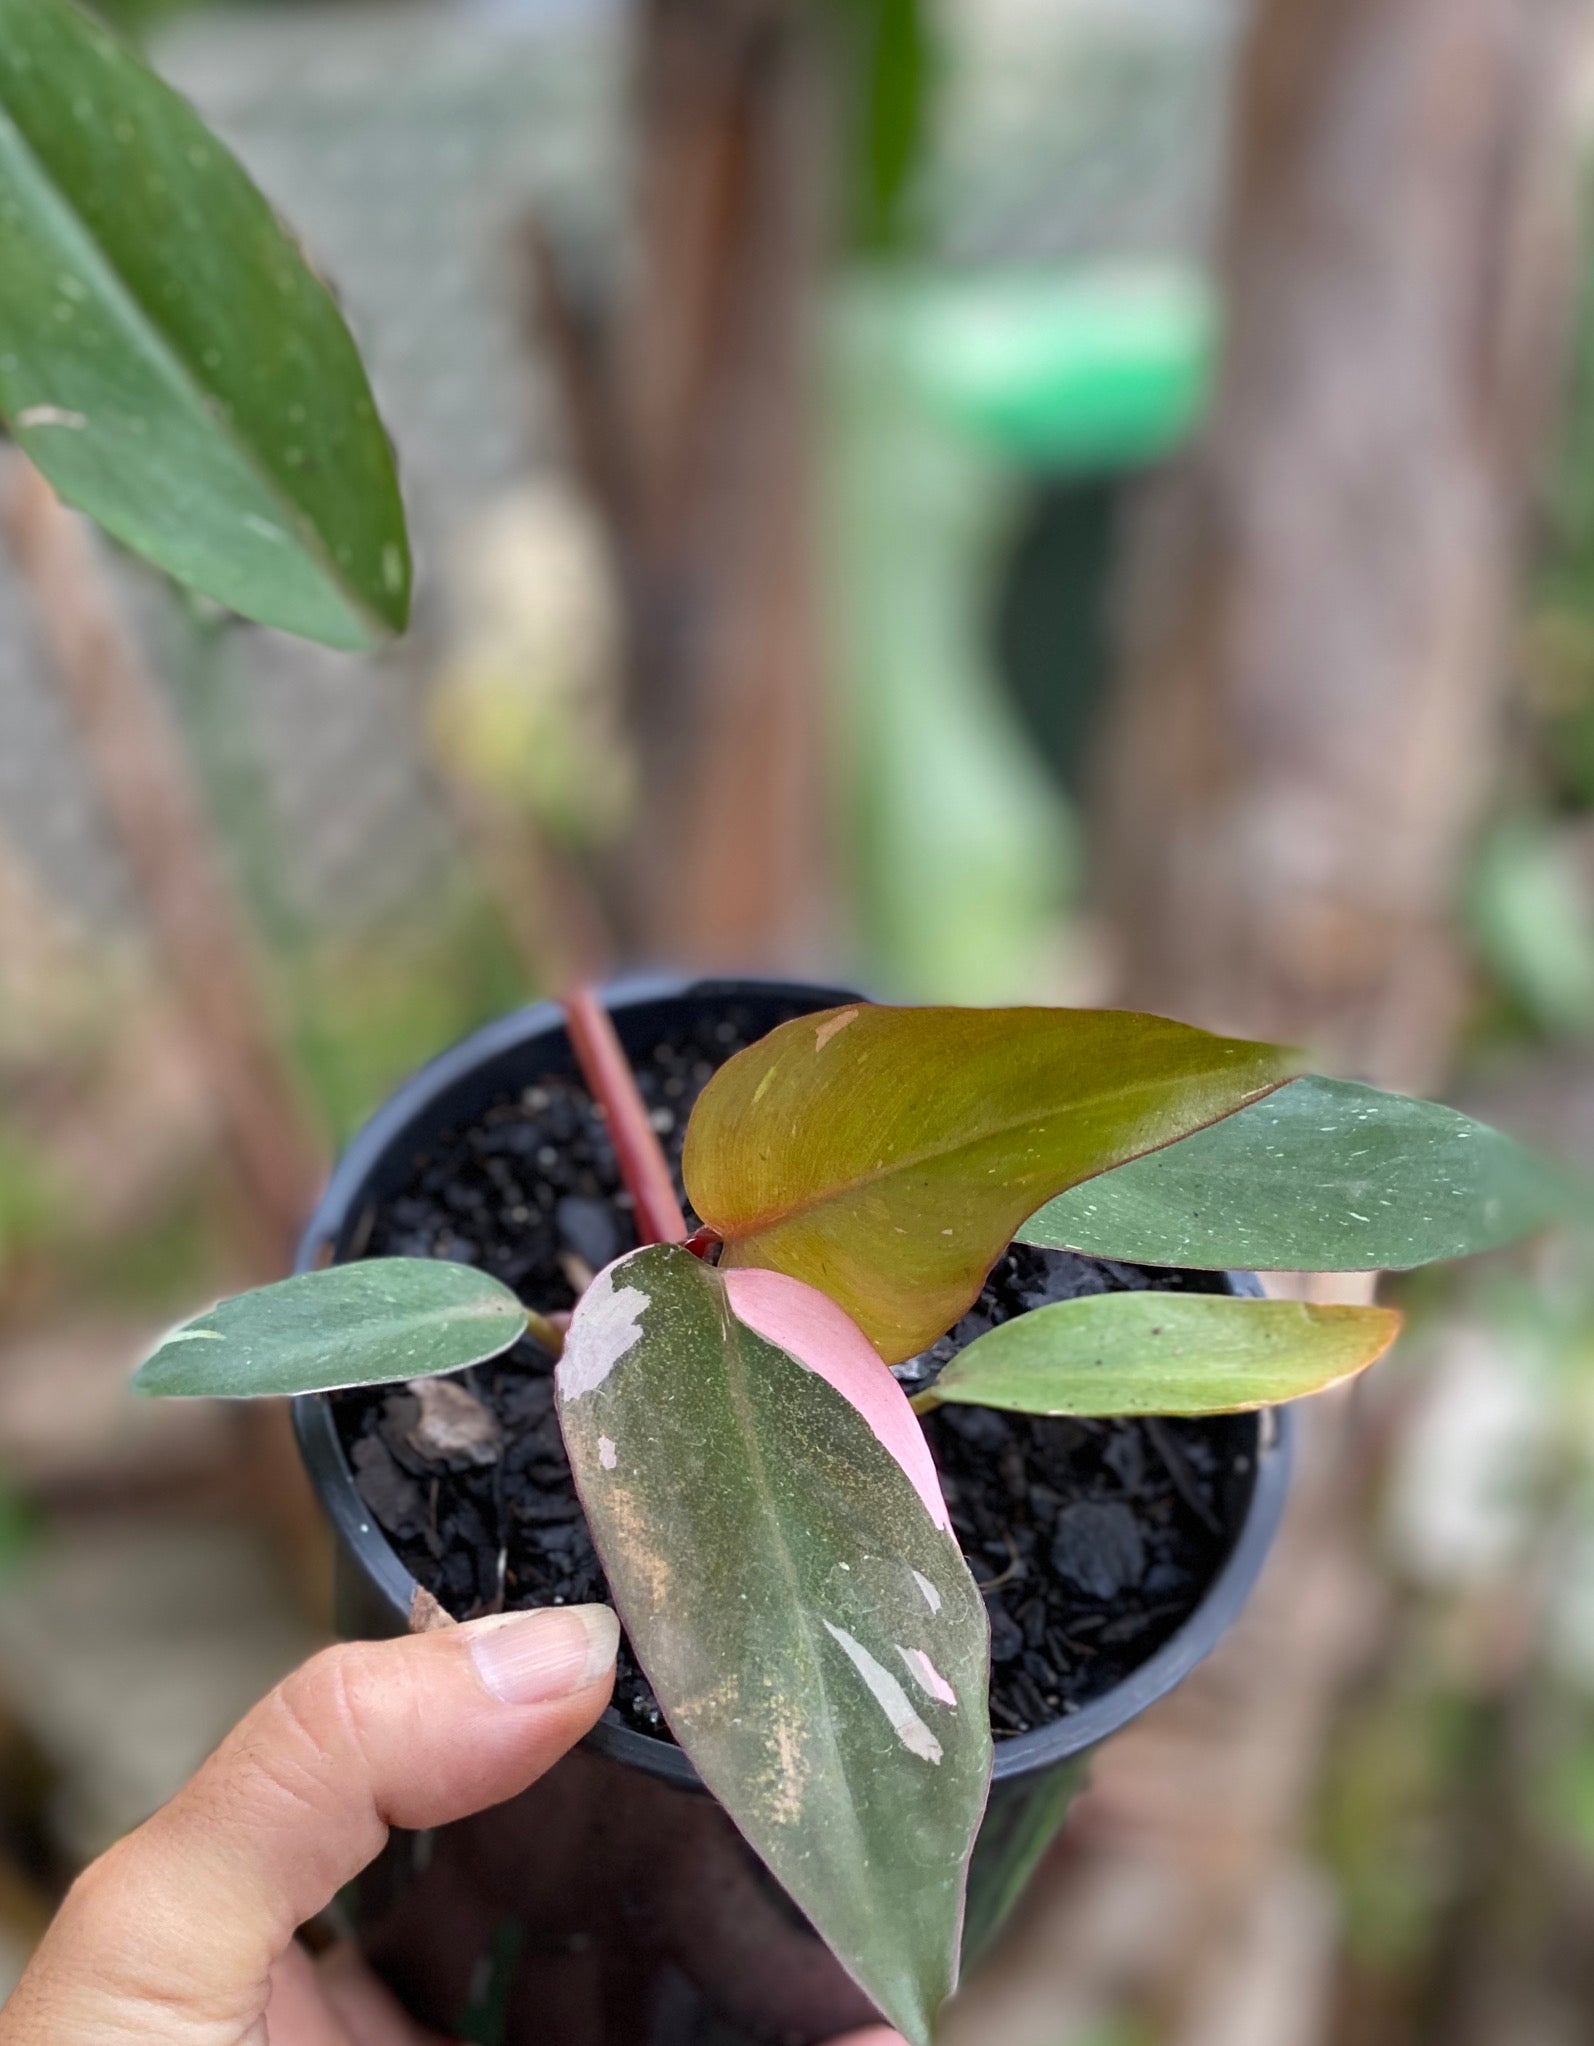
(1093, 1540)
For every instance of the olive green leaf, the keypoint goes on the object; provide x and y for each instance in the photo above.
(383, 1320)
(786, 1571)
(167, 358)
(1164, 1353)
(887, 1155)
(1323, 1176)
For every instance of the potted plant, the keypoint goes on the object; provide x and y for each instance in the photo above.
(894, 1208)
(736, 1408)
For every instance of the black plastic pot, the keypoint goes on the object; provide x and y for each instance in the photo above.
(614, 1904)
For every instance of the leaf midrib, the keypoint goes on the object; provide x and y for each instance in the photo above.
(181, 372)
(778, 1218)
(738, 1333)
(429, 1317)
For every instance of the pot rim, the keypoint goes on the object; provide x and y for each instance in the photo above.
(1024, 1755)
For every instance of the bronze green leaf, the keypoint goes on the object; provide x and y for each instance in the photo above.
(1165, 1353)
(887, 1155)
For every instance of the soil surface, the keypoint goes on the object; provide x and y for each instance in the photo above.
(1093, 1540)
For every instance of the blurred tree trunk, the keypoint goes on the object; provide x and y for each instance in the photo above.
(1319, 601)
(140, 770)
(141, 773)
(689, 412)
(1318, 618)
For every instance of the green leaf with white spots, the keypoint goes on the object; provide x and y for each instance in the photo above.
(382, 1321)
(887, 1155)
(1164, 1353)
(776, 1544)
(1323, 1176)
(167, 357)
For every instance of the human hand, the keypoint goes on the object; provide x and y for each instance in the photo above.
(183, 1934)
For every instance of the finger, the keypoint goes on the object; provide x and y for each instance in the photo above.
(171, 1935)
(297, 2014)
(876, 2036)
(370, 2013)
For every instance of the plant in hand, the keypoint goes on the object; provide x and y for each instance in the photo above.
(758, 1486)
(761, 1495)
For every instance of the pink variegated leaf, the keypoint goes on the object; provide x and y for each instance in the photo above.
(807, 1325)
(776, 1543)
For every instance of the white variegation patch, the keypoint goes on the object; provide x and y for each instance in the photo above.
(889, 1695)
(605, 1326)
(832, 1026)
(51, 415)
(928, 1678)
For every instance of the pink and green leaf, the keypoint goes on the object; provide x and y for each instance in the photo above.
(757, 1489)
(887, 1156)
(1165, 1353)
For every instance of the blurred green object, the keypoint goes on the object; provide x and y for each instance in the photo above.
(485, 2019)
(951, 394)
(1556, 650)
(1534, 925)
(135, 19)
(1567, 1798)
(1104, 367)
(21, 1527)
(962, 852)
(30, 1201)
(890, 73)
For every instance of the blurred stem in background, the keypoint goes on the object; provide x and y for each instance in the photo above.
(687, 395)
(1531, 894)
(890, 67)
(141, 771)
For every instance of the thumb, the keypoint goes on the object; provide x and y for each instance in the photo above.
(170, 1937)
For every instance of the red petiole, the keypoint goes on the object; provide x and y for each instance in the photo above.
(638, 1152)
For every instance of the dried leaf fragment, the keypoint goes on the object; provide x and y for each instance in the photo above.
(453, 1426)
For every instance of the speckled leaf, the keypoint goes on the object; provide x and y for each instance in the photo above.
(810, 1628)
(383, 1320)
(887, 1155)
(1323, 1176)
(1165, 1353)
(166, 356)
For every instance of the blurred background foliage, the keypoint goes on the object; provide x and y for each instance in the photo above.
(782, 611)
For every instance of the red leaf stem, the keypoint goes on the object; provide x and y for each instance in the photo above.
(637, 1150)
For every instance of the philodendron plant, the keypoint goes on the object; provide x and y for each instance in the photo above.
(757, 1483)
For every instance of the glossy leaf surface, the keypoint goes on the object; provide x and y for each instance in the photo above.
(378, 1322)
(1165, 1353)
(1323, 1176)
(887, 1155)
(167, 358)
(809, 1625)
